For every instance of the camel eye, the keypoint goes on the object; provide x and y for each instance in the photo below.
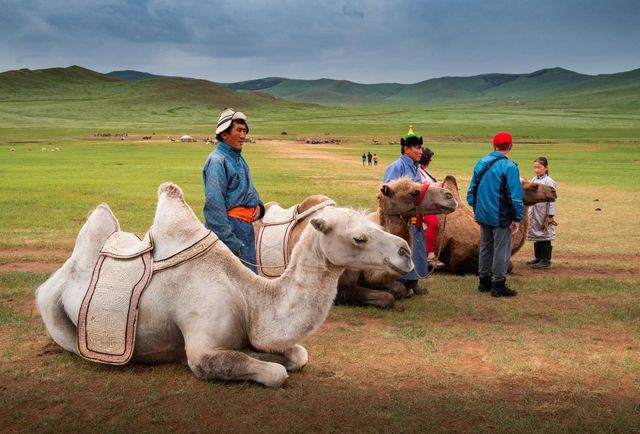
(360, 239)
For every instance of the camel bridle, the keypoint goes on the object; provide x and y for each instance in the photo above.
(412, 211)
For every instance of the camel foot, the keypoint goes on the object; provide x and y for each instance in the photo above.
(399, 290)
(417, 289)
(236, 365)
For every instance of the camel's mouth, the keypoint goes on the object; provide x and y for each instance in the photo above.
(394, 267)
(443, 209)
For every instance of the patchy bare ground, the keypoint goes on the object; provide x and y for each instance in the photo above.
(620, 266)
(454, 361)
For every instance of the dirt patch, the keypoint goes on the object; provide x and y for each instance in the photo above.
(282, 149)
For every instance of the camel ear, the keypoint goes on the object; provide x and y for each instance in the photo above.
(386, 190)
(321, 225)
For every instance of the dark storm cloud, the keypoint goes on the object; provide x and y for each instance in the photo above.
(365, 41)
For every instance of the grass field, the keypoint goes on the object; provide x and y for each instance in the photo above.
(563, 356)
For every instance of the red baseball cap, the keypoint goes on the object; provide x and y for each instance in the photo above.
(502, 140)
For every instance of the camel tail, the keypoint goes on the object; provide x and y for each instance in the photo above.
(70, 282)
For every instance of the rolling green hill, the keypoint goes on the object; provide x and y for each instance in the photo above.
(555, 86)
(552, 103)
(80, 98)
(128, 74)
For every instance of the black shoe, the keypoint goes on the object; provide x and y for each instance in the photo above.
(500, 289)
(413, 286)
(536, 253)
(485, 284)
(545, 257)
(541, 265)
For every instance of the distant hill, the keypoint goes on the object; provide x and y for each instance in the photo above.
(76, 97)
(129, 74)
(554, 85)
(76, 82)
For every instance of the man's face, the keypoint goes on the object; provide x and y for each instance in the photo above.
(413, 152)
(236, 137)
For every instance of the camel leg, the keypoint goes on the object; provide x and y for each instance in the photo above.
(354, 295)
(293, 359)
(235, 365)
(59, 326)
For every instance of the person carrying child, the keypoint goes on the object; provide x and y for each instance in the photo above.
(541, 219)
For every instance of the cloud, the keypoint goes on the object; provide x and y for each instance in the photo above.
(360, 40)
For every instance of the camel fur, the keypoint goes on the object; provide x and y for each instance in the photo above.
(458, 241)
(212, 311)
(396, 206)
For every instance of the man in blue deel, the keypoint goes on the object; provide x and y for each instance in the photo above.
(232, 203)
(407, 167)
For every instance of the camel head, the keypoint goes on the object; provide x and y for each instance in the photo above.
(348, 239)
(535, 193)
(399, 197)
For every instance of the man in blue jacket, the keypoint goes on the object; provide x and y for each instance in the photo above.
(495, 194)
(407, 167)
(231, 200)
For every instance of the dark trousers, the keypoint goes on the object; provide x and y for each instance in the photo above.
(495, 252)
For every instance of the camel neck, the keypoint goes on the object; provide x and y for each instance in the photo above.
(394, 224)
(291, 307)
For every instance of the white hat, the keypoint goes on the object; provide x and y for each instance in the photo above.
(226, 117)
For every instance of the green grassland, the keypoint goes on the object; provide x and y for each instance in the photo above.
(563, 356)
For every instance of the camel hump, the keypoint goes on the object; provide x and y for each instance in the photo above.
(100, 224)
(312, 201)
(171, 190)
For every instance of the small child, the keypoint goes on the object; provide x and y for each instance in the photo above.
(541, 222)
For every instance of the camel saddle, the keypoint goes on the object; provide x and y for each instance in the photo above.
(108, 314)
(272, 240)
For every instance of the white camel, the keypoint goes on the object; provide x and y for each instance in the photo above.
(227, 322)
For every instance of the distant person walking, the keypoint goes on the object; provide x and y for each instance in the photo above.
(375, 159)
(541, 219)
(232, 203)
(369, 158)
(364, 158)
(407, 167)
(495, 194)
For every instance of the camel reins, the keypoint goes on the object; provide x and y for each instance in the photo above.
(414, 208)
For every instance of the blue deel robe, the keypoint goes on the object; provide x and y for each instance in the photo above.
(228, 184)
(405, 167)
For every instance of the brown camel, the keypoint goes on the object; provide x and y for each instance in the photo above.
(396, 206)
(459, 239)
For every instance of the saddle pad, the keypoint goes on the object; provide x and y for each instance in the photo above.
(126, 245)
(272, 241)
(108, 314)
(272, 248)
(278, 215)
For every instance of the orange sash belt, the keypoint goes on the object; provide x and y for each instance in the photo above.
(243, 213)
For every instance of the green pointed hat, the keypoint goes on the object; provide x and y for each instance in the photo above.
(411, 139)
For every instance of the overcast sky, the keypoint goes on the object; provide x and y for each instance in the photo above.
(366, 41)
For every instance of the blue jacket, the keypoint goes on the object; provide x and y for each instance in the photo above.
(499, 198)
(403, 167)
(227, 184)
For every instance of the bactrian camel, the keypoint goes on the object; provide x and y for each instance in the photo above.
(458, 241)
(225, 321)
(396, 206)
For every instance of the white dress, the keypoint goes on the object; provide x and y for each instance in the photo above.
(538, 215)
